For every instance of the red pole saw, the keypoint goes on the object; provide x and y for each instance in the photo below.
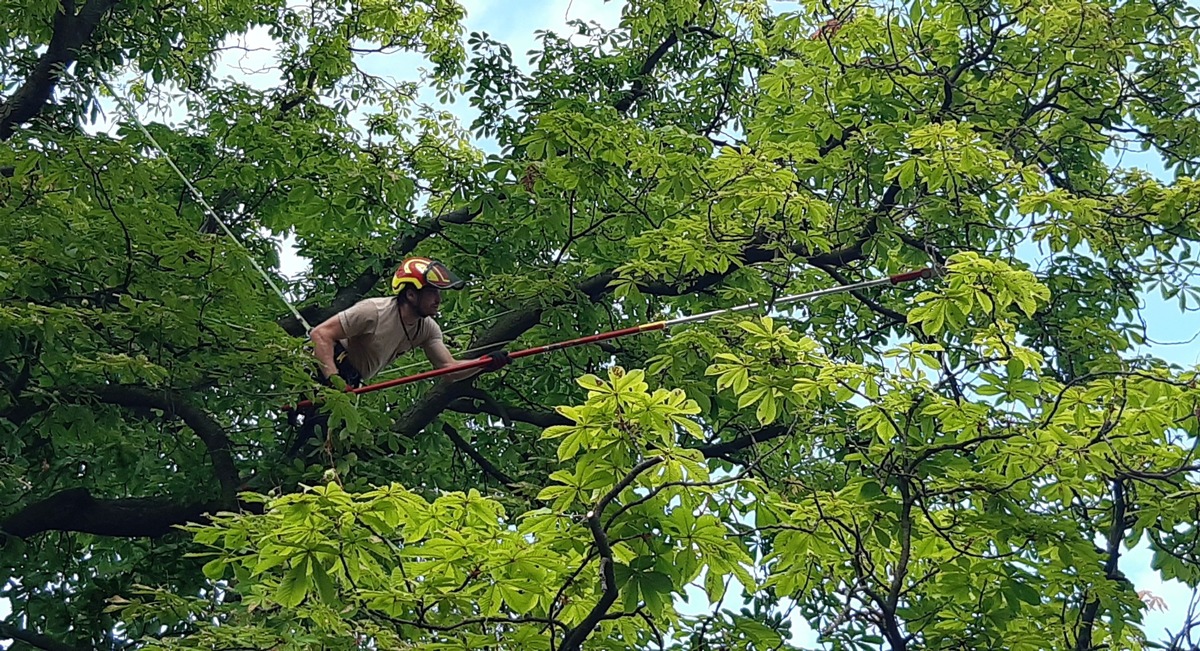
(645, 327)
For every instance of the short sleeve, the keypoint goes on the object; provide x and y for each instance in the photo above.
(432, 334)
(360, 319)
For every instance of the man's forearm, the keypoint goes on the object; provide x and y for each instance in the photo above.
(463, 374)
(323, 351)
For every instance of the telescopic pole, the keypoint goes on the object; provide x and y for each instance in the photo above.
(638, 329)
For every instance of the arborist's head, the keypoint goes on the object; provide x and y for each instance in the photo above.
(420, 281)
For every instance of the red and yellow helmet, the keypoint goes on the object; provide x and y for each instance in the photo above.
(420, 272)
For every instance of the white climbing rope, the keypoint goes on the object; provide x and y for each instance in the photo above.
(129, 110)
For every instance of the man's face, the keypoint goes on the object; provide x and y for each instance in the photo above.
(429, 300)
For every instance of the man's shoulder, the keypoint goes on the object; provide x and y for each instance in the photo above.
(378, 301)
(367, 310)
(377, 304)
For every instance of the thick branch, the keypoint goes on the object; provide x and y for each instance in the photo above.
(1116, 533)
(173, 406)
(7, 631)
(639, 85)
(468, 449)
(574, 640)
(507, 328)
(71, 32)
(471, 404)
(871, 303)
(77, 510)
(741, 443)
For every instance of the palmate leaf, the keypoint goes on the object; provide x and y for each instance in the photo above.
(945, 458)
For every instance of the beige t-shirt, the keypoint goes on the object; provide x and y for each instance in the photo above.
(375, 336)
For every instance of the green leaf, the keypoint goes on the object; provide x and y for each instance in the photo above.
(325, 586)
(214, 569)
(294, 586)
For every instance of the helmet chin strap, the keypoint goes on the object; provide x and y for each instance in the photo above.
(402, 300)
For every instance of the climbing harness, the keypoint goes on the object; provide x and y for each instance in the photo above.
(929, 272)
(212, 214)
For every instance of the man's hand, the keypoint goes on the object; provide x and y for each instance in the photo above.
(334, 381)
(498, 360)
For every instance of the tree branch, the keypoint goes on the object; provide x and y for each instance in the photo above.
(71, 31)
(10, 632)
(874, 305)
(174, 406)
(472, 404)
(638, 90)
(608, 579)
(741, 443)
(468, 449)
(505, 329)
(77, 510)
(1116, 533)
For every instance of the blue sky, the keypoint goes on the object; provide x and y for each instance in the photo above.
(515, 25)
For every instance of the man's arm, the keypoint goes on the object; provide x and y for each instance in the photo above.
(441, 357)
(323, 337)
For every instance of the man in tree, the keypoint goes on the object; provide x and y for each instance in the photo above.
(357, 343)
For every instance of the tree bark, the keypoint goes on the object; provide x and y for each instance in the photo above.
(71, 32)
(174, 406)
(34, 639)
(77, 510)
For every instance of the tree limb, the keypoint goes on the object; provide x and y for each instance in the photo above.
(174, 406)
(71, 32)
(1116, 533)
(741, 443)
(8, 631)
(469, 404)
(468, 449)
(77, 510)
(574, 640)
(874, 305)
(506, 328)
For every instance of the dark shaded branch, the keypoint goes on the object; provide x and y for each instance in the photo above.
(871, 303)
(10, 632)
(77, 510)
(608, 579)
(467, 404)
(1116, 533)
(174, 406)
(71, 32)
(474, 621)
(468, 449)
(507, 328)
(470, 405)
(638, 90)
(741, 443)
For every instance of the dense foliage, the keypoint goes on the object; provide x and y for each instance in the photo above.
(956, 465)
